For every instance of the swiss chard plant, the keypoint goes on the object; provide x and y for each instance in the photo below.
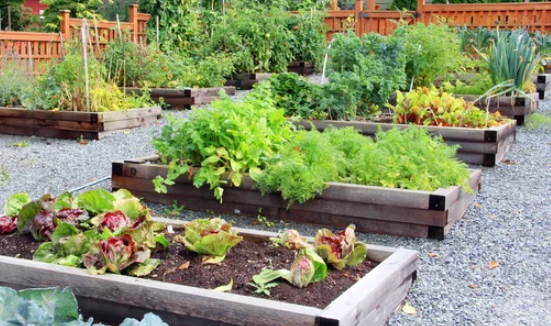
(432, 107)
(212, 238)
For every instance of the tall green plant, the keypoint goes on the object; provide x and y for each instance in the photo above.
(432, 50)
(512, 60)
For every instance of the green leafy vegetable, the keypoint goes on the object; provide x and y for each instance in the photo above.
(340, 249)
(15, 203)
(307, 268)
(67, 247)
(212, 237)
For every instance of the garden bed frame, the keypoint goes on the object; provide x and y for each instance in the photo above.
(73, 124)
(485, 147)
(246, 81)
(543, 86)
(372, 209)
(111, 298)
(518, 108)
(300, 67)
(181, 99)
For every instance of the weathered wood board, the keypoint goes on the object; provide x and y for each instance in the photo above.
(372, 209)
(73, 125)
(485, 147)
(518, 108)
(300, 67)
(111, 298)
(181, 99)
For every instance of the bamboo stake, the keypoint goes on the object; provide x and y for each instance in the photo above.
(61, 45)
(97, 37)
(157, 18)
(31, 63)
(85, 59)
(123, 58)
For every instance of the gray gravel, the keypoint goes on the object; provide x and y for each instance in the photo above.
(509, 225)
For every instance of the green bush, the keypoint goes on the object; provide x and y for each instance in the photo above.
(431, 50)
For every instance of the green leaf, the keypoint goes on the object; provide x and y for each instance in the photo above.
(65, 200)
(148, 320)
(225, 288)
(15, 203)
(26, 216)
(269, 275)
(358, 255)
(96, 201)
(60, 304)
(144, 268)
(130, 207)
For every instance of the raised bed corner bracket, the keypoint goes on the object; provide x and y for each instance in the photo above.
(437, 203)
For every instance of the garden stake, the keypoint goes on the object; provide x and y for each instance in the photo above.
(93, 183)
(157, 28)
(413, 77)
(85, 59)
(61, 45)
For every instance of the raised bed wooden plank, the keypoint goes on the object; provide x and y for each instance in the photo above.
(113, 297)
(300, 67)
(372, 209)
(88, 125)
(353, 306)
(477, 146)
(185, 98)
(47, 115)
(518, 108)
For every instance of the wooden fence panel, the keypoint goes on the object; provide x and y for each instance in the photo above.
(534, 16)
(36, 52)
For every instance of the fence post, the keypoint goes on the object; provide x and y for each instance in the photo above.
(64, 24)
(421, 12)
(133, 20)
(358, 7)
(371, 5)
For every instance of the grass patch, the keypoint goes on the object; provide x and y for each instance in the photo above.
(538, 121)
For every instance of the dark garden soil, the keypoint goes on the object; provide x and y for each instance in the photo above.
(181, 266)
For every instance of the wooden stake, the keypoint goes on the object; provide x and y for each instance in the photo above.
(85, 59)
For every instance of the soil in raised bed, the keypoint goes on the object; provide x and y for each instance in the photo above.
(181, 266)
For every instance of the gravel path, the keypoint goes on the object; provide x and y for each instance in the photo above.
(509, 225)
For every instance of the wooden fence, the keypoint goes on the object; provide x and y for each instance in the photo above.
(36, 51)
(534, 16)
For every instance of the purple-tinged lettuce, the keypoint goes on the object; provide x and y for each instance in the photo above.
(307, 268)
(113, 221)
(67, 247)
(42, 226)
(118, 254)
(291, 239)
(8, 224)
(341, 249)
(73, 216)
(211, 237)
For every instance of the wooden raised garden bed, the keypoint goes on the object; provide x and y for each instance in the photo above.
(518, 108)
(543, 86)
(181, 99)
(300, 67)
(111, 297)
(73, 125)
(246, 81)
(485, 147)
(372, 209)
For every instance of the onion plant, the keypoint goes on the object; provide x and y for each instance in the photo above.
(512, 60)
